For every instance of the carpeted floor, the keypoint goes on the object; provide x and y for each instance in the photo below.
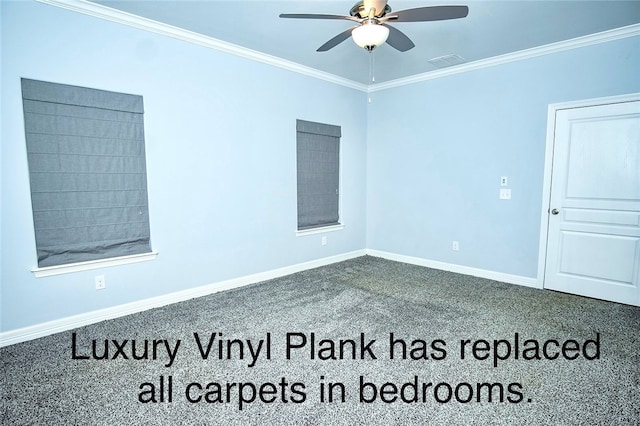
(452, 339)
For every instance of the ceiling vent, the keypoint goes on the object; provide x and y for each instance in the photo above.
(446, 61)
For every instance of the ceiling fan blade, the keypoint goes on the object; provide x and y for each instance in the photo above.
(336, 40)
(317, 16)
(398, 40)
(429, 13)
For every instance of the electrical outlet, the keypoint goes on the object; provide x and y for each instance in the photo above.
(323, 241)
(455, 246)
(101, 284)
(505, 194)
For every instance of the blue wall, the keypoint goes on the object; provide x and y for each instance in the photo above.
(437, 149)
(220, 140)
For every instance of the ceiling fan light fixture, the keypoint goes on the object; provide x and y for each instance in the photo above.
(369, 35)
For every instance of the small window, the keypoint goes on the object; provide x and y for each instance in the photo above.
(318, 163)
(87, 172)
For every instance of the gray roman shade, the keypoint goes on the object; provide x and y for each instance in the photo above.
(87, 172)
(318, 161)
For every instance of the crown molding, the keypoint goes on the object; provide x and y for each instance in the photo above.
(574, 43)
(103, 12)
(135, 21)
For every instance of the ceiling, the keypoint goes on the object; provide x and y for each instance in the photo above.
(491, 29)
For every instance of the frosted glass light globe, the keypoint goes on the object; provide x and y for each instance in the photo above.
(370, 35)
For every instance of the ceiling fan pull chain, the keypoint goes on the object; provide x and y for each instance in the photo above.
(372, 77)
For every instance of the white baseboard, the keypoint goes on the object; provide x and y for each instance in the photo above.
(465, 270)
(56, 326)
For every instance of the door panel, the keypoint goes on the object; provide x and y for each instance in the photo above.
(593, 242)
(603, 158)
(614, 256)
(602, 217)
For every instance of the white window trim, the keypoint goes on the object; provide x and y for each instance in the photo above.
(319, 230)
(48, 271)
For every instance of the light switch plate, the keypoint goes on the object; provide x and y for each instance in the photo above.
(503, 181)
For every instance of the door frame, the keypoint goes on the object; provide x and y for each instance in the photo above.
(548, 166)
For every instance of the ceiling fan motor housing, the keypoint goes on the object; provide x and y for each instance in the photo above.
(358, 11)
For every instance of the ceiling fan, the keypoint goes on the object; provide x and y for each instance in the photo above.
(372, 29)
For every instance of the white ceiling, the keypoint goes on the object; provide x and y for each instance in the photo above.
(491, 29)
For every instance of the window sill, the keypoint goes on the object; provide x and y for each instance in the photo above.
(48, 271)
(320, 230)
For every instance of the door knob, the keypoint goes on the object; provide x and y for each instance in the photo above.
(554, 211)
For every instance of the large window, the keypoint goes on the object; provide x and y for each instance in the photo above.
(318, 162)
(87, 172)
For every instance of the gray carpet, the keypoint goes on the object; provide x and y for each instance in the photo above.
(365, 298)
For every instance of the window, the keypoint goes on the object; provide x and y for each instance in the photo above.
(318, 161)
(87, 173)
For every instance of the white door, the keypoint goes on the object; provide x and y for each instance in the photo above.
(593, 242)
